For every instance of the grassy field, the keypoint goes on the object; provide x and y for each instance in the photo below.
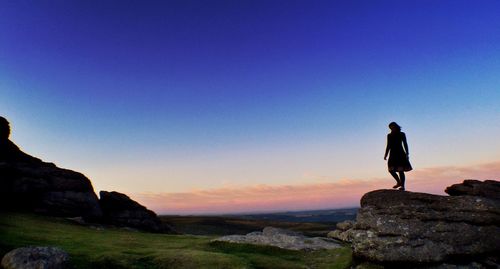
(215, 225)
(92, 247)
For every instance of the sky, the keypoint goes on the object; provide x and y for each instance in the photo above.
(195, 107)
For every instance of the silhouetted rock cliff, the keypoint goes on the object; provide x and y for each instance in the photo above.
(119, 209)
(44, 188)
(29, 184)
(397, 227)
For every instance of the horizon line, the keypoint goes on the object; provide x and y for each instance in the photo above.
(333, 195)
(215, 214)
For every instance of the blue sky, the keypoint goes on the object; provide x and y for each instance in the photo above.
(199, 94)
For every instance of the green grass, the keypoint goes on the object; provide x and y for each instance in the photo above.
(118, 248)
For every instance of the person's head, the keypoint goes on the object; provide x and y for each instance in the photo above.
(4, 128)
(394, 127)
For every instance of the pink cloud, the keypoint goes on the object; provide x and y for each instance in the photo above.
(336, 194)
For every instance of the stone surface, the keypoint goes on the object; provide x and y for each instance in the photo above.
(341, 233)
(281, 238)
(397, 227)
(488, 188)
(119, 209)
(36, 258)
(44, 188)
(345, 225)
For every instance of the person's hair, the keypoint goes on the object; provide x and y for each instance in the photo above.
(395, 125)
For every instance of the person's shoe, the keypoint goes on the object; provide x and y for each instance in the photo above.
(402, 188)
(396, 186)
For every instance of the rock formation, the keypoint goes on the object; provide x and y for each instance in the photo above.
(119, 209)
(281, 238)
(36, 258)
(489, 188)
(398, 227)
(29, 184)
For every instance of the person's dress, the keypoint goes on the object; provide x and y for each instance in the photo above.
(398, 160)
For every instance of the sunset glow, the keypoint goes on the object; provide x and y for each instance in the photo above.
(195, 107)
(338, 194)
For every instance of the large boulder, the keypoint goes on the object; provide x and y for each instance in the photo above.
(36, 258)
(120, 210)
(398, 227)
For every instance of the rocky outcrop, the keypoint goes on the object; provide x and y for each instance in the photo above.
(281, 238)
(488, 188)
(29, 184)
(36, 258)
(398, 227)
(341, 232)
(119, 209)
(44, 188)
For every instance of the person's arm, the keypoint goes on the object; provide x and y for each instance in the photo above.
(405, 144)
(387, 148)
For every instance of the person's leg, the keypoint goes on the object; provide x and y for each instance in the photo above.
(402, 180)
(395, 176)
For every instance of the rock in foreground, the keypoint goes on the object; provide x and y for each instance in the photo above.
(281, 238)
(36, 258)
(397, 227)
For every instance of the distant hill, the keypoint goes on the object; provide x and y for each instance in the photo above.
(312, 223)
(324, 216)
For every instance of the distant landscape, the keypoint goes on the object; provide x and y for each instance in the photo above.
(312, 222)
(98, 246)
(250, 134)
(324, 215)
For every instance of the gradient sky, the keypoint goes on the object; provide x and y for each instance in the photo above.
(167, 100)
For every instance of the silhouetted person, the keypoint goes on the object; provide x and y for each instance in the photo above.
(9, 152)
(399, 157)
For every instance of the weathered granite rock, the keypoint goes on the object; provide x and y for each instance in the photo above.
(397, 227)
(345, 225)
(119, 209)
(281, 238)
(341, 233)
(36, 258)
(488, 188)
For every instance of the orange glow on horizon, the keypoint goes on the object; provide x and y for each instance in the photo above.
(337, 194)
